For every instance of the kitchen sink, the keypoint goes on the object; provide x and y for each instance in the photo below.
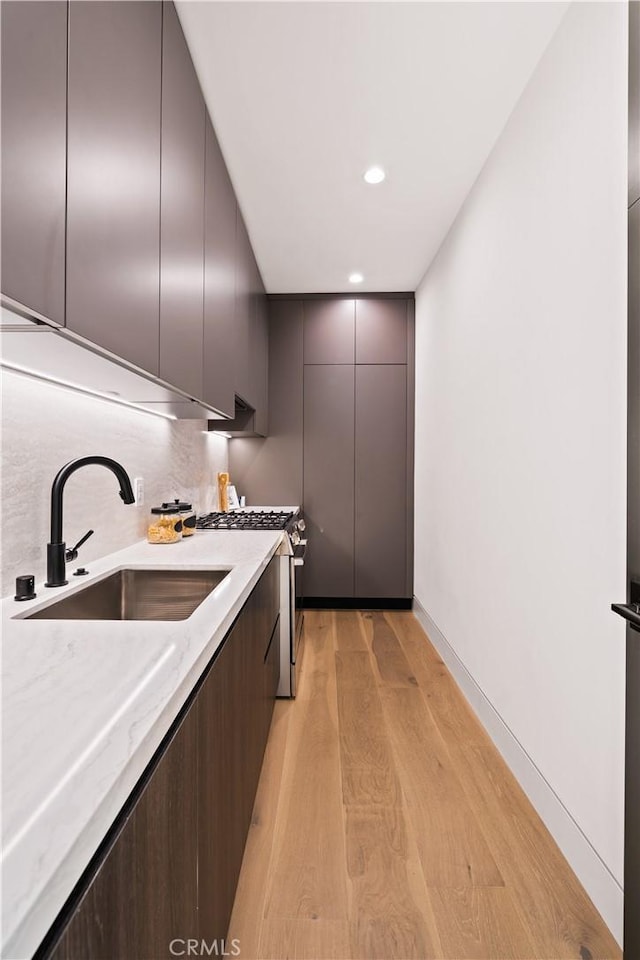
(137, 595)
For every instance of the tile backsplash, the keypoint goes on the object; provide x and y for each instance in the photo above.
(44, 426)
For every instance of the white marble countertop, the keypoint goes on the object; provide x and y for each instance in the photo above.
(85, 704)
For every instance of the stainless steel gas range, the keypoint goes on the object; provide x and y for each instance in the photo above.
(292, 552)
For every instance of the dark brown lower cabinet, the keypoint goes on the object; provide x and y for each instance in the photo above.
(170, 871)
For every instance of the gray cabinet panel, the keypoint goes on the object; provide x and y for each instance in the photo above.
(34, 104)
(329, 331)
(380, 481)
(251, 331)
(328, 479)
(633, 424)
(270, 471)
(259, 356)
(381, 331)
(244, 281)
(181, 213)
(634, 101)
(219, 280)
(113, 200)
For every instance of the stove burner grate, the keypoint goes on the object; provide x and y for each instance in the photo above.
(251, 520)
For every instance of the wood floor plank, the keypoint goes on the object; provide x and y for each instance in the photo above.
(454, 717)
(391, 663)
(481, 923)
(302, 940)
(552, 902)
(319, 643)
(248, 908)
(349, 631)
(391, 911)
(368, 770)
(452, 847)
(307, 877)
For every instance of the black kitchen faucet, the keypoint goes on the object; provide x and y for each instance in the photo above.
(57, 553)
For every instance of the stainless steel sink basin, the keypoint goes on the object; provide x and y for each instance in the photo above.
(137, 595)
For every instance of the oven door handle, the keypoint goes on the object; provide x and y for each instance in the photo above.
(299, 552)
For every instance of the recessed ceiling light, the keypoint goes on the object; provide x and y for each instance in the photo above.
(355, 278)
(375, 175)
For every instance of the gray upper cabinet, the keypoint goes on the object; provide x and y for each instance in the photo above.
(219, 352)
(259, 344)
(634, 102)
(328, 479)
(329, 331)
(381, 481)
(181, 213)
(270, 471)
(34, 105)
(381, 331)
(244, 278)
(251, 330)
(113, 199)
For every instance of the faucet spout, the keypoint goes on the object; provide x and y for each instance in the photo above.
(56, 570)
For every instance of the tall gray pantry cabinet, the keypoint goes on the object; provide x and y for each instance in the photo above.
(340, 441)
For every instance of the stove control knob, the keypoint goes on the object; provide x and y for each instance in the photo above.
(302, 526)
(295, 537)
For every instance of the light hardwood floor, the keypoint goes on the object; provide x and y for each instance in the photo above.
(387, 825)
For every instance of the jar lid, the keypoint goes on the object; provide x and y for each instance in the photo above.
(178, 505)
(164, 509)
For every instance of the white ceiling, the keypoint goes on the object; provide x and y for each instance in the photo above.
(305, 96)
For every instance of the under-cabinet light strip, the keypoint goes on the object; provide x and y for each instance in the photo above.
(98, 394)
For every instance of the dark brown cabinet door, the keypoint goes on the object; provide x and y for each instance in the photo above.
(34, 105)
(145, 893)
(182, 213)
(219, 352)
(113, 199)
(381, 331)
(329, 331)
(328, 479)
(381, 481)
(233, 729)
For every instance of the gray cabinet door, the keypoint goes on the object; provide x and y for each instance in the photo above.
(329, 331)
(381, 481)
(634, 101)
(381, 331)
(34, 105)
(328, 479)
(259, 353)
(181, 213)
(270, 471)
(244, 283)
(113, 198)
(219, 280)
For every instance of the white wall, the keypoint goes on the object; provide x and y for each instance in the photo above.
(44, 426)
(521, 441)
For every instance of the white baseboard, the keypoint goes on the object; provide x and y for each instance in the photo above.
(594, 875)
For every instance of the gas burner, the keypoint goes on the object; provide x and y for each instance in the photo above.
(251, 520)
